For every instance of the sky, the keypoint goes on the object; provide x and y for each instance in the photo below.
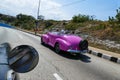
(61, 9)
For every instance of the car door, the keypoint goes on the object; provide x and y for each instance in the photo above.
(52, 38)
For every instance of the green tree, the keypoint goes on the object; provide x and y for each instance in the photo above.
(25, 21)
(118, 15)
(7, 18)
(81, 18)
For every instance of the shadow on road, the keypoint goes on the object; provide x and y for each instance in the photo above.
(81, 57)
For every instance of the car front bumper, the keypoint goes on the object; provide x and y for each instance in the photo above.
(77, 51)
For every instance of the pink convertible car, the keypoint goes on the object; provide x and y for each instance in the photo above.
(65, 42)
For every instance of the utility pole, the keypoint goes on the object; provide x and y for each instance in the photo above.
(37, 21)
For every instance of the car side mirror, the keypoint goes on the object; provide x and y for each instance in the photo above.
(23, 58)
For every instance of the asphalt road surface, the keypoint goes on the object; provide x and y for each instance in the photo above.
(53, 66)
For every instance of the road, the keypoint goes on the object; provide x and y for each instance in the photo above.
(62, 66)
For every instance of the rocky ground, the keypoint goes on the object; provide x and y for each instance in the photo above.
(110, 45)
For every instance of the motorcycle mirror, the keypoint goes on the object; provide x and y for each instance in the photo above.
(23, 58)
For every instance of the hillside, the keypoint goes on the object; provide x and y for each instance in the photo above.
(100, 29)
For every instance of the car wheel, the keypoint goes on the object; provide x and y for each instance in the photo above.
(57, 48)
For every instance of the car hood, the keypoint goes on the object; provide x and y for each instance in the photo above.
(72, 39)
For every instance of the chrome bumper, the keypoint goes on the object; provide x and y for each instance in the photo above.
(77, 51)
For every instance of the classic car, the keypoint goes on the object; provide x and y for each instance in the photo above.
(65, 42)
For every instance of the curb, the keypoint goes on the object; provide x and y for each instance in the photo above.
(105, 56)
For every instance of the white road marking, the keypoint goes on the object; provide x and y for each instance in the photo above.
(57, 76)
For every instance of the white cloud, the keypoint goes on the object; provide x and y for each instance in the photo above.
(48, 8)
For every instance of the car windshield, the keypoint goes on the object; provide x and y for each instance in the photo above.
(62, 32)
(75, 39)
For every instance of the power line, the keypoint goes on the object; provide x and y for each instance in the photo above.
(65, 5)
